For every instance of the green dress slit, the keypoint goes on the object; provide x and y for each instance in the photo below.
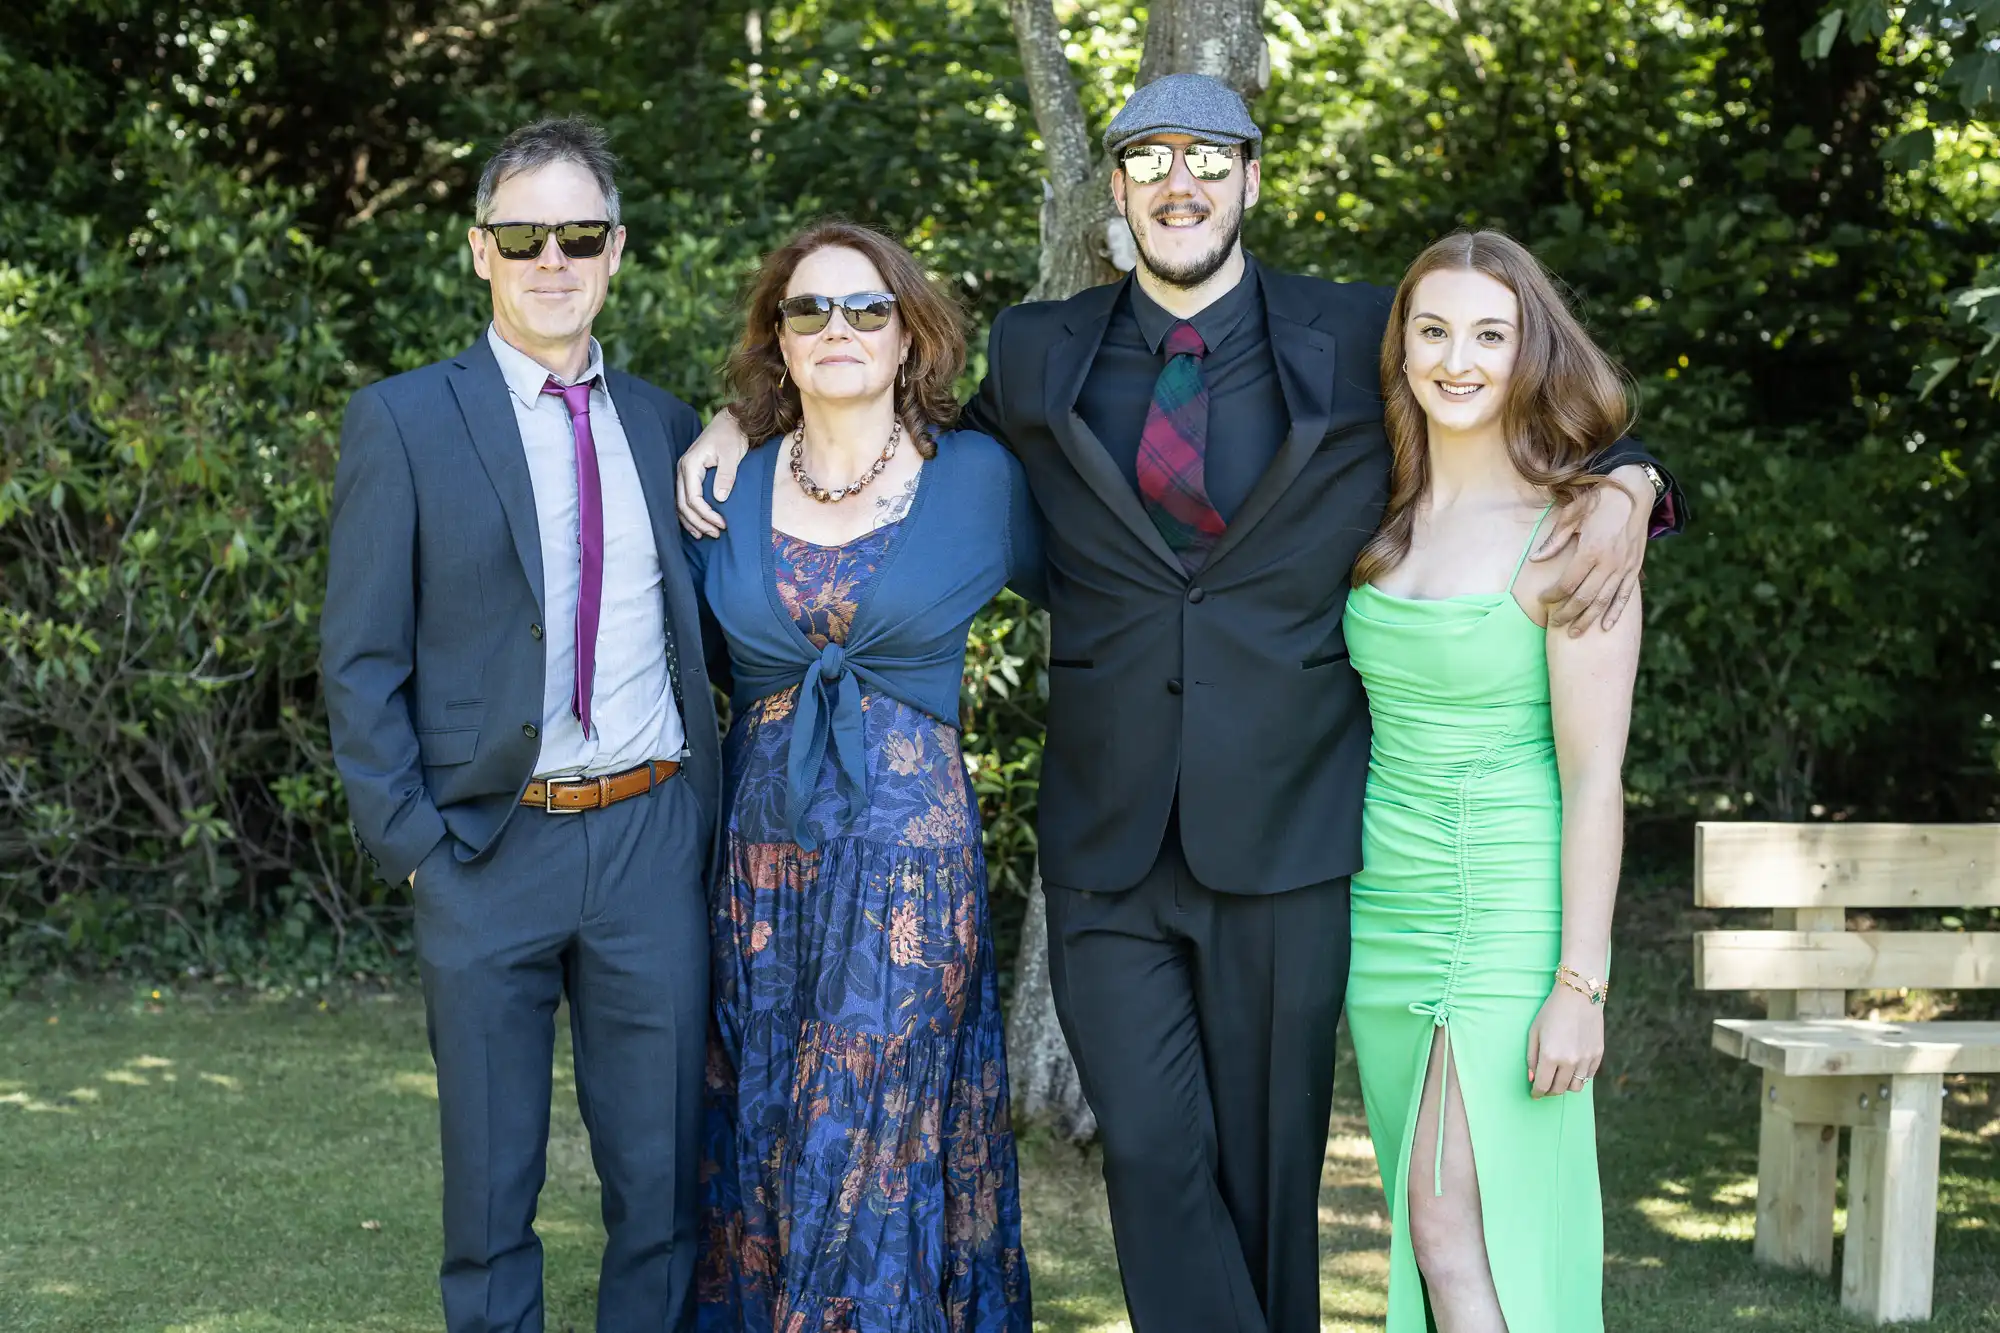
(1457, 925)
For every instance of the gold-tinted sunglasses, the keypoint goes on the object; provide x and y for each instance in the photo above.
(525, 240)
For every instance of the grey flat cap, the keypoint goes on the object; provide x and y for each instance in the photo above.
(1183, 104)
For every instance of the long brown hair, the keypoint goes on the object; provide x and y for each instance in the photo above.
(1565, 399)
(766, 404)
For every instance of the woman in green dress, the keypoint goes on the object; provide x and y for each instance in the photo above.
(1495, 807)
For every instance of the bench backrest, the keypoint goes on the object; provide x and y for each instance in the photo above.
(1809, 875)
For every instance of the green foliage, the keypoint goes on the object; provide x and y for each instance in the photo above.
(1960, 39)
(223, 217)
(169, 441)
(220, 229)
(1006, 689)
(1824, 640)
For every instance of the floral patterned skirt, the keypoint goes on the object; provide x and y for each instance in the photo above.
(860, 1168)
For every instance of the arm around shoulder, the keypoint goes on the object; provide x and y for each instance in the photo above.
(984, 413)
(1027, 571)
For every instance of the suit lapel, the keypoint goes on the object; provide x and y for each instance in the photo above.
(653, 459)
(489, 417)
(1069, 362)
(1305, 357)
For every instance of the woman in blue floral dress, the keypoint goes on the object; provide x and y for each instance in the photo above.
(860, 1172)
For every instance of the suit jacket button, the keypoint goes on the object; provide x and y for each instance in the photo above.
(535, 632)
(528, 730)
(1174, 686)
(1196, 594)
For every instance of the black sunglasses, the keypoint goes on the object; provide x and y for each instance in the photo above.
(865, 312)
(525, 240)
(1148, 162)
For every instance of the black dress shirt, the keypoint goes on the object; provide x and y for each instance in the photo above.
(1247, 417)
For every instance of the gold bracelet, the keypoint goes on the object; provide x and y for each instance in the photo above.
(1589, 987)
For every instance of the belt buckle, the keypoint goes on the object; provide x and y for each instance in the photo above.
(549, 802)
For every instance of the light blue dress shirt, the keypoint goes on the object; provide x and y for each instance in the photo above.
(632, 701)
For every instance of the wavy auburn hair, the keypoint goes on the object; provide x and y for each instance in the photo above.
(766, 404)
(1566, 399)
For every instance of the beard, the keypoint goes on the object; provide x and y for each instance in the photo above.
(1191, 272)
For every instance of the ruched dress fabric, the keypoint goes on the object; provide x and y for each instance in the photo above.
(1457, 918)
(860, 1168)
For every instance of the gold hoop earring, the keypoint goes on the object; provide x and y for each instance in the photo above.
(784, 374)
(903, 375)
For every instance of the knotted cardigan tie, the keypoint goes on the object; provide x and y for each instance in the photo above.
(829, 711)
(970, 528)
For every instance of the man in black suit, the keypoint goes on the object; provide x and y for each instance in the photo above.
(1207, 753)
(521, 716)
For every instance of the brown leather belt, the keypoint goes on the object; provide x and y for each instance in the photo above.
(575, 796)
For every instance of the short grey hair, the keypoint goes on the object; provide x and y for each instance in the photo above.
(554, 139)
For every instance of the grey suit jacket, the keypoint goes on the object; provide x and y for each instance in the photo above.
(431, 648)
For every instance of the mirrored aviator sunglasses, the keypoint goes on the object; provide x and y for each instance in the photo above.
(525, 240)
(1149, 162)
(865, 312)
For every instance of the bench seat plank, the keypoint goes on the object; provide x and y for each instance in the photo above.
(1822, 1047)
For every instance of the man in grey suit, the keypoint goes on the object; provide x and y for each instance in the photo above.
(522, 718)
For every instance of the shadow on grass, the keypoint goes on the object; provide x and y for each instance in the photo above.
(1067, 1231)
(1678, 1154)
(230, 1164)
(211, 1164)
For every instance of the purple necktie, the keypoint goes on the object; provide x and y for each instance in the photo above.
(590, 544)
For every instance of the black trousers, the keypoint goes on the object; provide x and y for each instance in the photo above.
(1203, 1028)
(606, 907)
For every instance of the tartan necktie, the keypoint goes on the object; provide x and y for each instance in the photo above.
(589, 542)
(1173, 482)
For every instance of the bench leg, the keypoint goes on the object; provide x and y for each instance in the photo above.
(1798, 1156)
(1892, 1185)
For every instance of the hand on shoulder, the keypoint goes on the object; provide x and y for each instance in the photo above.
(720, 448)
(1599, 540)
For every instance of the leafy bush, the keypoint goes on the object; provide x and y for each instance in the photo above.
(222, 219)
(169, 444)
(1740, 229)
(167, 798)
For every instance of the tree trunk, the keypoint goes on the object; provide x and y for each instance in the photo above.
(1084, 243)
(1043, 1077)
(1223, 39)
(1076, 192)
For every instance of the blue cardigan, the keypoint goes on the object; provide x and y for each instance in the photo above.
(971, 530)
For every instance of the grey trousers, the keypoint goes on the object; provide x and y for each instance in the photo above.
(606, 907)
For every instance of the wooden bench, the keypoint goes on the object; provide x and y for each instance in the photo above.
(1824, 1072)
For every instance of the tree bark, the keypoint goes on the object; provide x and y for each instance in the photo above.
(1084, 243)
(1223, 39)
(1047, 1090)
(1076, 191)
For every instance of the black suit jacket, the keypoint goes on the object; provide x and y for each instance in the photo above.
(1228, 692)
(431, 652)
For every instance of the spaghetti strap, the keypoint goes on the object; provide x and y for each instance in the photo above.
(1522, 563)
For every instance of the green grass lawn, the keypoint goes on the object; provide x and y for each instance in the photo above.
(221, 1163)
